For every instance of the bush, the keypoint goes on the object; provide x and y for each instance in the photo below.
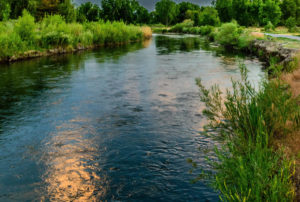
(25, 27)
(269, 26)
(11, 44)
(206, 30)
(229, 34)
(291, 24)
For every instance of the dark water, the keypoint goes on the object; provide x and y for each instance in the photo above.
(112, 124)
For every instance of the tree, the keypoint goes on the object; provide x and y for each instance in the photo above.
(142, 15)
(291, 23)
(289, 9)
(209, 16)
(125, 10)
(4, 11)
(67, 10)
(166, 11)
(89, 12)
(224, 8)
(183, 7)
(270, 11)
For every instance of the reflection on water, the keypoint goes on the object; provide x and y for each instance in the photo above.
(70, 174)
(113, 124)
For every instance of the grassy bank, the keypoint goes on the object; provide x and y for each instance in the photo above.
(248, 122)
(24, 36)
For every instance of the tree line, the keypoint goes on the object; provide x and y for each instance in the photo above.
(167, 12)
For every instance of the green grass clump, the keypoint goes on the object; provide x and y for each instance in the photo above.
(247, 121)
(24, 34)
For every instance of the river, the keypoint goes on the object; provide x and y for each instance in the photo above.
(115, 124)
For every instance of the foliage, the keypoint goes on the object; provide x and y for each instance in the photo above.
(209, 16)
(291, 23)
(25, 27)
(17, 37)
(183, 8)
(180, 27)
(269, 26)
(4, 10)
(247, 121)
(67, 10)
(289, 9)
(270, 11)
(129, 11)
(88, 12)
(166, 11)
(229, 34)
(249, 12)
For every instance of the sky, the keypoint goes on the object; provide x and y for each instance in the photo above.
(150, 4)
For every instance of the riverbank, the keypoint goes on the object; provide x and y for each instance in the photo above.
(24, 38)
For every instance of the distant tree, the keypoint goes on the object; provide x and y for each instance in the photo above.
(224, 8)
(153, 17)
(183, 7)
(289, 9)
(67, 10)
(240, 11)
(270, 11)
(88, 12)
(4, 11)
(291, 23)
(142, 15)
(17, 6)
(209, 16)
(125, 10)
(166, 11)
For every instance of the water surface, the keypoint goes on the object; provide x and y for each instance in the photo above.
(110, 124)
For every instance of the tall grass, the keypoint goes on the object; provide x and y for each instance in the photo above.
(247, 121)
(24, 34)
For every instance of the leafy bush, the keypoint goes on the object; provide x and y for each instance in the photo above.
(229, 34)
(10, 44)
(25, 27)
(206, 30)
(291, 24)
(269, 26)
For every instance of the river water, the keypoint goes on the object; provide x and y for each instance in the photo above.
(115, 124)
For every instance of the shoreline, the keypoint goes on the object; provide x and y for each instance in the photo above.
(31, 54)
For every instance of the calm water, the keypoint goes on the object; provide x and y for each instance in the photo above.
(111, 124)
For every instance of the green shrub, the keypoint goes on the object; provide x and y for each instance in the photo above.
(229, 34)
(11, 44)
(25, 27)
(291, 24)
(206, 30)
(269, 26)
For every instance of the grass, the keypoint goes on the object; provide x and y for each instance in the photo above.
(24, 34)
(247, 122)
